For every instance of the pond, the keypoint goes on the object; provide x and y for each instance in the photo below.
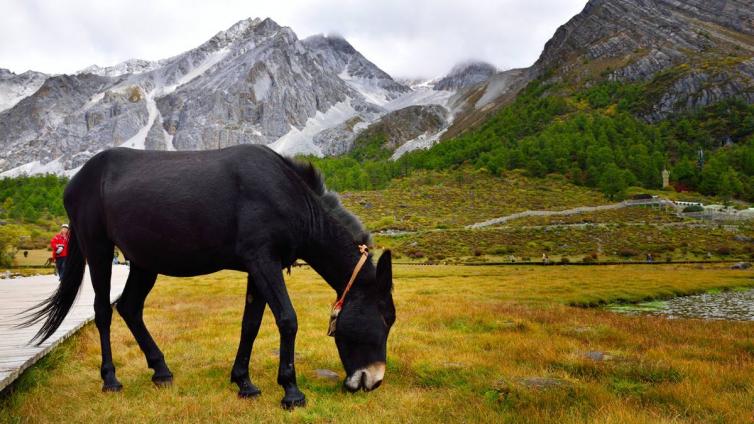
(735, 305)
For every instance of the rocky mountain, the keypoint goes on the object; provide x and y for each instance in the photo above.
(13, 88)
(253, 83)
(705, 48)
(257, 82)
(694, 53)
(466, 74)
(406, 129)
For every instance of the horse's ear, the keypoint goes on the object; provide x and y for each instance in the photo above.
(385, 271)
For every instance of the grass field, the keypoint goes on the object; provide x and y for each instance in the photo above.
(471, 344)
(36, 257)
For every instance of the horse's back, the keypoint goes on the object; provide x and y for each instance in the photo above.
(182, 209)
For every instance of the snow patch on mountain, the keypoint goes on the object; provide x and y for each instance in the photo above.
(211, 60)
(130, 66)
(138, 140)
(300, 141)
(36, 167)
(369, 88)
(424, 141)
(422, 95)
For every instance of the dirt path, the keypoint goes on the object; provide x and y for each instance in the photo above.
(573, 211)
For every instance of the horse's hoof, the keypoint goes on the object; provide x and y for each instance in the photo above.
(112, 387)
(249, 391)
(293, 401)
(162, 381)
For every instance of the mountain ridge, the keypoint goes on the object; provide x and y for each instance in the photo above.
(255, 82)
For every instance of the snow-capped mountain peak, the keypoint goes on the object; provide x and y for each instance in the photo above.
(254, 82)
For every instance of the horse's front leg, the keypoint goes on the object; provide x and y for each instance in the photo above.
(252, 319)
(268, 279)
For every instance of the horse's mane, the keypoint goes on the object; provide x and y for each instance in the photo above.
(330, 200)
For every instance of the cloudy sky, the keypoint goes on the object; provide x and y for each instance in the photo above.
(416, 38)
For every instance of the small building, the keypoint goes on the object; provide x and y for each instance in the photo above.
(682, 203)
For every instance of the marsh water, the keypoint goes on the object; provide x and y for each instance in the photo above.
(735, 305)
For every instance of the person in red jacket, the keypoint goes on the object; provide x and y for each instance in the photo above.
(59, 245)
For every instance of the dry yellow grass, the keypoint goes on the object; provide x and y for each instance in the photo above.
(465, 343)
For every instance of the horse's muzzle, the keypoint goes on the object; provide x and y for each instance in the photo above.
(367, 379)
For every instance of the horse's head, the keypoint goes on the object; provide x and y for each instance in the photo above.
(363, 325)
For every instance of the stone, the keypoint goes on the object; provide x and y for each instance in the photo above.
(327, 374)
(598, 356)
(741, 265)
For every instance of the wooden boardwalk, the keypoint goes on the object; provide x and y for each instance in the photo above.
(18, 294)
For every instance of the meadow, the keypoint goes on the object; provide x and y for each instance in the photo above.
(471, 344)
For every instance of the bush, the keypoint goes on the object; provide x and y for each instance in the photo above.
(723, 250)
(415, 254)
(627, 252)
(565, 260)
(501, 250)
(693, 208)
(10, 235)
(587, 259)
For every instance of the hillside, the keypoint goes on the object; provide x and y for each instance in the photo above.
(425, 218)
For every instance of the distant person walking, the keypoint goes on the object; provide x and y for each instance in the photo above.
(59, 245)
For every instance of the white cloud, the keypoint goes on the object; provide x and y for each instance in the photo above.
(405, 38)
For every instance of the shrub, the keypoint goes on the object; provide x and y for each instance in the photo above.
(565, 260)
(693, 208)
(501, 250)
(627, 252)
(723, 250)
(9, 240)
(415, 254)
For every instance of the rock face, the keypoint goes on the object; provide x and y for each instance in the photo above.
(256, 82)
(13, 88)
(703, 49)
(407, 125)
(339, 57)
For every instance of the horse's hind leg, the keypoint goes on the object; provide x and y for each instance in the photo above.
(100, 268)
(252, 319)
(131, 308)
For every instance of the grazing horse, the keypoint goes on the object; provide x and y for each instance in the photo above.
(243, 208)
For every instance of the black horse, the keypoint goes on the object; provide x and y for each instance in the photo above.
(192, 213)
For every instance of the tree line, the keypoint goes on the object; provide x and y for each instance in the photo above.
(32, 198)
(593, 137)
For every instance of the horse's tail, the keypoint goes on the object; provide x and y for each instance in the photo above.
(55, 308)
